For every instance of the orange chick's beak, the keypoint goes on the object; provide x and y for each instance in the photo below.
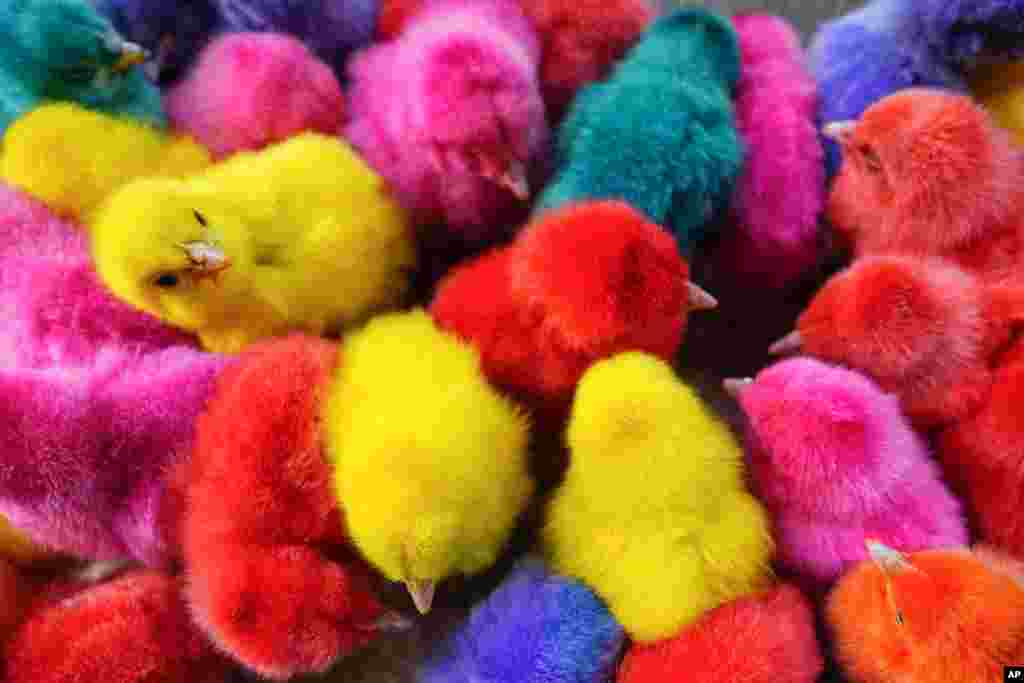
(131, 55)
(205, 260)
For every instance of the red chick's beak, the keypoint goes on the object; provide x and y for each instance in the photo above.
(700, 300)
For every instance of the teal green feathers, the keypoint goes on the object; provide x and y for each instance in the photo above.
(660, 132)
(64, 50)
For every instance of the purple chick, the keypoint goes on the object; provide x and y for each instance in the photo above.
(836, 464)
(451, 114)
(89, 452)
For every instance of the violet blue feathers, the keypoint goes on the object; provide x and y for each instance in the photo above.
(451, 114)
(536, 627)
(836, 464)
(660, 132)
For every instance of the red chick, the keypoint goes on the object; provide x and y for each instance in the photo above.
(765, 638)
(134, 628)
(925, 331)
(929, 173)
(271, 578)
(579, 285)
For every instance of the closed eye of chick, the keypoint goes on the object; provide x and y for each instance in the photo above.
(259, 245)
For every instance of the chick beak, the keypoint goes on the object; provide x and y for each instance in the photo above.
(735, 387)
(511, 178)
(885, 557)
(839, 131)
(422, 593)
(700, 300)
(131, 55)
(389, 622)
(205, 259)
(791, 343)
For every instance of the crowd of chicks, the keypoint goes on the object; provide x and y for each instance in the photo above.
(302, 299)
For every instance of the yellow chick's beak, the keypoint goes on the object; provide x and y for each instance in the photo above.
(700, 300)
(791, 343)
(131, 55)
(205, 259)
(839, 131)
(422, 593)
(735, 387)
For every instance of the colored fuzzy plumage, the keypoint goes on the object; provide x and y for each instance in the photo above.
(437, 492)
(763, 638)
(64, 50)
(534, 628)
(134, 628)
(772, 235)
(450, 113)
(928, 173)
(967, 32)
(258, 245)
(653, 513)
(930, 617)
(835, 463)
(250, 90)
(72, 158)
(660, 132)
(86, 449)
(578, 285)
(263, 536)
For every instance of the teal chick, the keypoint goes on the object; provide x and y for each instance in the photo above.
(64, 50)
(660, 133)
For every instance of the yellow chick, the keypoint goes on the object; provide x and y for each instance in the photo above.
(1000, 89)
(71, 158)
(430, 462)
(302, 236)
(653, 513)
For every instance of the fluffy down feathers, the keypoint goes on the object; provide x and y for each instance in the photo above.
(659, 133)
(929, 617)
(86, 450)
(249, 90)
(134, 628)
(578, 285)
(263, 536)
(430, 462)
(451, 114)
(967, 32)
(763, 638)
(772, 237)
(835, 463)
(72, 158)
(653, 514)
(867, 55)
(64, 50)
(928, 173)
(258, 245)
(535, 628)
(1000, 89)
(921, 330)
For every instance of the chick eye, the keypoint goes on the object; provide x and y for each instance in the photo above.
(871, 160)
(166, 281)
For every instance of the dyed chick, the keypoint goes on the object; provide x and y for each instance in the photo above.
(250, 90)
(835, 462)
(64, 50)
(302, 236)
(653, 513)
(999, 88)
(72, 158)
(133, 628)
(930, 616)
(438, 492)
(450, 113)
(660, 132)
(968, 33)
(270, 577)
(926, 332)
(771, 237)
(578, 285)
(764, 638)
(869, 54)
(984, 460)
(536, 627)
(928, 173)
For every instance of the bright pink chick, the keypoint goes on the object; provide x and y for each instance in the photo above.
(250, 90)
(773, 236)
(450, 113)
(836, 464)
